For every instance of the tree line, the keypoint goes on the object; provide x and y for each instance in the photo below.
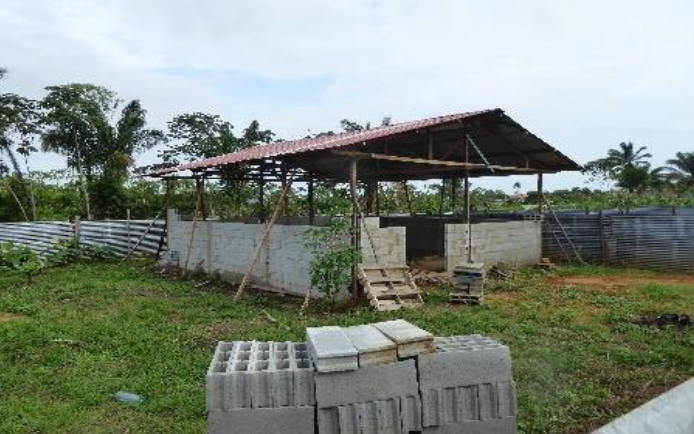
(100, 135)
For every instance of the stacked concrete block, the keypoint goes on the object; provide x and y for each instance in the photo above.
(372, 345)
(379, 399)
(383, 246)
(468, 283)
(410, 339)
(331, 350)
(467, 386)
(261, 384)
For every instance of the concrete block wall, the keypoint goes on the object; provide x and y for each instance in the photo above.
(513, 242)
(389, 244)
(226, 249)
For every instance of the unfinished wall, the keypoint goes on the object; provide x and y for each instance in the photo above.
(226, 249)
(388, 243)
(513, 242)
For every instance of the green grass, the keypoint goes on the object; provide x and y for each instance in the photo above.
(579, 359)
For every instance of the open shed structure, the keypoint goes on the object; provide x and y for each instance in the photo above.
(458, 146)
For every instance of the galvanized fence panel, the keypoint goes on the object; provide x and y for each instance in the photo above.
(582, 230)
(659, 241)
(119, 235)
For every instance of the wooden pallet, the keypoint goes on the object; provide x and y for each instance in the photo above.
(389, 287)
(464, 297)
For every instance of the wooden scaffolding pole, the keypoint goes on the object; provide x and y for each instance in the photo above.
(540, 194)
(468, 213)
(311, 207)
(263, 240)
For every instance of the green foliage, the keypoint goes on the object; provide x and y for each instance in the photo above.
(333, 257)
(198, 135)
(20, 259)
(70, 252)
(682, 169)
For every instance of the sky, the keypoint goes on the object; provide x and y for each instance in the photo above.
(583, 76)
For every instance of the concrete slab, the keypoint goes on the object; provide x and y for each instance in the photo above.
(373, 346)
(331, 350)
(370, 383)
(288, 420)
(411, 340)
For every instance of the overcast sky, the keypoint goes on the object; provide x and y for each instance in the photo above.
(583, 75)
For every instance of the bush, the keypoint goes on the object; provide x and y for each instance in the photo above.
(21, 259)
(70, 252)
(333, 258)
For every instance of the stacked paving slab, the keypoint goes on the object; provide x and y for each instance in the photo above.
(468, 283)
(384, 378)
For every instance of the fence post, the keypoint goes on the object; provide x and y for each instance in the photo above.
(127, 227)
(77, 229)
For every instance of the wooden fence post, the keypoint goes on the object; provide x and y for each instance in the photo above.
(77, 229)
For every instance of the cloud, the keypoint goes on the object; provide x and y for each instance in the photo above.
(582, 75)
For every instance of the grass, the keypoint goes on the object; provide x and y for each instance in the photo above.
(79, 334)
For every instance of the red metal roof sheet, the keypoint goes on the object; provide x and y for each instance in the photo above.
(278, 149)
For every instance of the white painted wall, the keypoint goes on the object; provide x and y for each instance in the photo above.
(513, 242)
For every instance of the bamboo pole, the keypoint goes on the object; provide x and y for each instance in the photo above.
(264, 240)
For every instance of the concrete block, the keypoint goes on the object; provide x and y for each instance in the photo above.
(373, 346)
(390, 416)
(370, 383)
(464, 365)
(260, 375)
(480, 402)
(331, 350)
(411, 340)
(496, 426)
(288, 420)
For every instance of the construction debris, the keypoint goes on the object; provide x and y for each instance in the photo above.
(468, 283)
(460, 384)
(426, 277)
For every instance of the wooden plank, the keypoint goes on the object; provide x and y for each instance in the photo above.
(445, 163)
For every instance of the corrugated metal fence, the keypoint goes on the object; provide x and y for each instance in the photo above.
(120, 235)
(661, 241)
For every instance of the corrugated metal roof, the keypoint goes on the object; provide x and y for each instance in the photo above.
(278, 149)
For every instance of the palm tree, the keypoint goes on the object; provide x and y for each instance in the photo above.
(639, 178)
(627, 156)
(682, 169)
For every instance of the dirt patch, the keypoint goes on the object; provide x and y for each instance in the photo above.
(6, 317)
(619, 283)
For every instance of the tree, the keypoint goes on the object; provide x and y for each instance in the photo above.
(18, 129)
(681, 169)
(617, 160)
(639, 178)
(78, 125)
(201, 135)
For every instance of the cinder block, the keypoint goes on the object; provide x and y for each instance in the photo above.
(373, 346)
(288, 420)
(370, 383)
(411, 340)
(464, 364)
(260, 375)
(389, 416)
(331, 350)
(480, 402)
(496, 426)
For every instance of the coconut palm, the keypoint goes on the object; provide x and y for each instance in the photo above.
(639, 178)
(682, 169)
(627, 156)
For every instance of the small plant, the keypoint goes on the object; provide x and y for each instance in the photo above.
(69, 252)
(333, 257)
(21, 259)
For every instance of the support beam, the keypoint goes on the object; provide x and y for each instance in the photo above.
(540, 194)
(311, 208)
(444, 163)
(355, 220)
(468, 206)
